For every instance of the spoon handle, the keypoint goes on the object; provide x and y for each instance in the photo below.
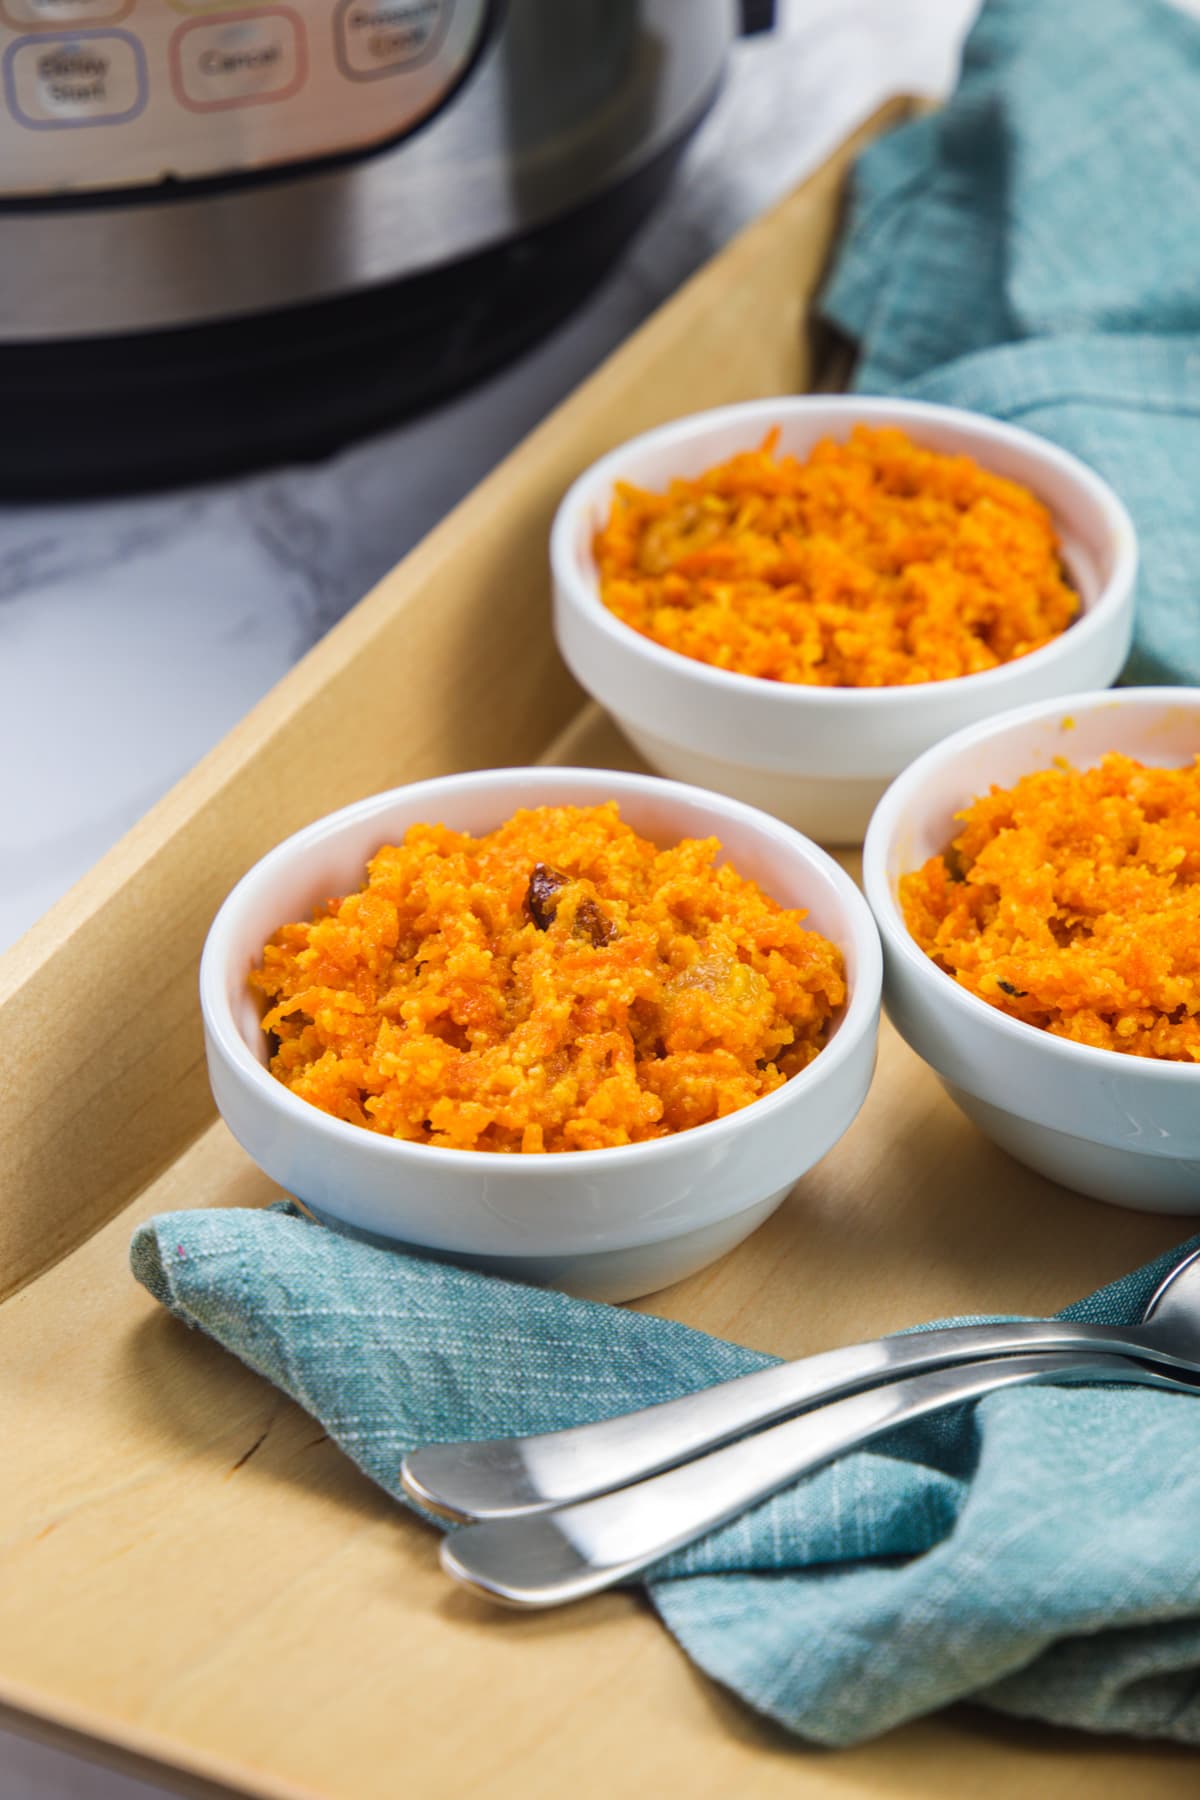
(495, 1478)
(550, 1558)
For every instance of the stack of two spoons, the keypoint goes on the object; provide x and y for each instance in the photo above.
(558, 1516)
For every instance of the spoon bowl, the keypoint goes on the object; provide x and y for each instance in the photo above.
(1172, 1314)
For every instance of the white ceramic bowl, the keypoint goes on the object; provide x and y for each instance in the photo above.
(821, 757)
(612, 1223)
(1121, 1128)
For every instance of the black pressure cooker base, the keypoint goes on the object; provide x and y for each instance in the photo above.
(107, 415)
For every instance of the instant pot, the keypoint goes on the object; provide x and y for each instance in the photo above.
(234, 232)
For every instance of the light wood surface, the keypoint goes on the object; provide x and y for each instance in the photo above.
(189, 1570)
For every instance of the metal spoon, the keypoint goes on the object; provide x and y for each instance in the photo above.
(494, 1478)
(549, 1558)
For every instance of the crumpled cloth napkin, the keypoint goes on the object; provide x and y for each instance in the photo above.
(1039, 1553)
(1031, 251)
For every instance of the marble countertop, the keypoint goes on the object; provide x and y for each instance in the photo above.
(135, 632)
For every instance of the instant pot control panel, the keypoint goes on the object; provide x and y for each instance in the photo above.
(115, 94)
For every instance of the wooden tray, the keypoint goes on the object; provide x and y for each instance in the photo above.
(191, 1572)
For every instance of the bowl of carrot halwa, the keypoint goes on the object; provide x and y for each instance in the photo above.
(789, 600)
(577, 1027)
(1036, 882)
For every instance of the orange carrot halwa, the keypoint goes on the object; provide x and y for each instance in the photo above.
(1072, 901)
(558, 984)
(874, 563)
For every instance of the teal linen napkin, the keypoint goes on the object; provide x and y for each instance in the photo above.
(1039, 1553)
(1032, 251)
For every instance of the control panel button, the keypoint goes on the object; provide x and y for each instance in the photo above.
(384, 37)
(56, 14)
(240, 59)
(206, 6)
(89, 78)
